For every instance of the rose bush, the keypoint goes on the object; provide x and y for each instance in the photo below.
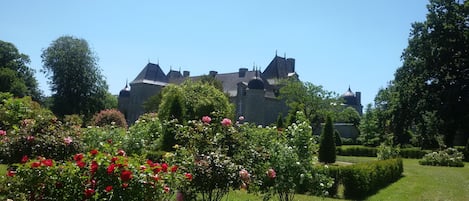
(96, 176)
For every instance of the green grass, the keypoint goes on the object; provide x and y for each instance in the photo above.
(418, 183)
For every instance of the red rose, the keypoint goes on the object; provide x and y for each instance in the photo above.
(94, 166)
(94, 152)
(114, 159)
(35, 164)
(48, 162)
(78, 157)
(24, 159)
(111, 168)
(164, 167)
(188, 176)
(174, 168)
(11, 173)
(108, 189)
(80, 164)
(150, 163)
(143, 167)
(125, 185)
(126, 175)
(89, 192)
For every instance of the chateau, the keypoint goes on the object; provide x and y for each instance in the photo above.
(254, 93)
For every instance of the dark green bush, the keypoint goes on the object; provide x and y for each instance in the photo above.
(356, 151)
(414, 152)
(109, 117)
(327, 148)
(363, 179)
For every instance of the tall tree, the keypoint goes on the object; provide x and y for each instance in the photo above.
(76, 81)
(314, 101)
(435, 72)
(15, 75)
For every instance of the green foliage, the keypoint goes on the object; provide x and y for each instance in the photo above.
(370, 134)
(210, 80)
(279, 122)
(300, 135)
(356, 151)
(14, 110)
(77, 84)
(327, 149)
(73, 120)
(312, 100)
(414, 152)
(363, 179)
(203, 99)
(142, 137)
(33, 131)
(109, 117)
(448, 157)
(386, 150)
(41, 136)
(348, 115)
(96, 176)
(15, 75)
(173, 104)
(434, 74)
(337, 138)
(152, 104)
(108, 138)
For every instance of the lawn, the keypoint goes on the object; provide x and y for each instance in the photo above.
(418, 183)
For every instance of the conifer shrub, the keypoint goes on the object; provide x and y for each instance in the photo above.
(327, 148)
(109, 117)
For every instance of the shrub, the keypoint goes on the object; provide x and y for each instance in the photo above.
(41, 135)
(109, 117)
(108, 139)
(14, 110)
(363, 179)
(300, 136)
(386, 150)
(448, 157)
(327, 148)
(142, 137)
(357, 151)
(96, 176)
(414, 152)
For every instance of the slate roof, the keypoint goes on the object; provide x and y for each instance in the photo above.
(278, 68)
(151, 74)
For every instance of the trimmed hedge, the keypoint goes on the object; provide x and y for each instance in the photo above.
(363, 179)
(356, 151)
(414, 152)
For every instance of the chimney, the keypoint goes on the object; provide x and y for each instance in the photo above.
(291, 65)
(358, 96)
(242, 72)
(213, 73)
(186, 73)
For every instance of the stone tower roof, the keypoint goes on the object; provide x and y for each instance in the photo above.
(151, 74)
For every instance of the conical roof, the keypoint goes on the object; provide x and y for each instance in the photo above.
(151, 74)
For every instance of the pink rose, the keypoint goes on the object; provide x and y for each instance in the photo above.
(3, 133)
(226, 122)
(206, 119)
(68, 140)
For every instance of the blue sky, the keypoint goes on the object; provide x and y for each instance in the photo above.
(335, 43)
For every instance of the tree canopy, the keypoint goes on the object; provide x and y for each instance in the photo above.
(314, 101)
(434, 77)
(76, 81)
(15, 75)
